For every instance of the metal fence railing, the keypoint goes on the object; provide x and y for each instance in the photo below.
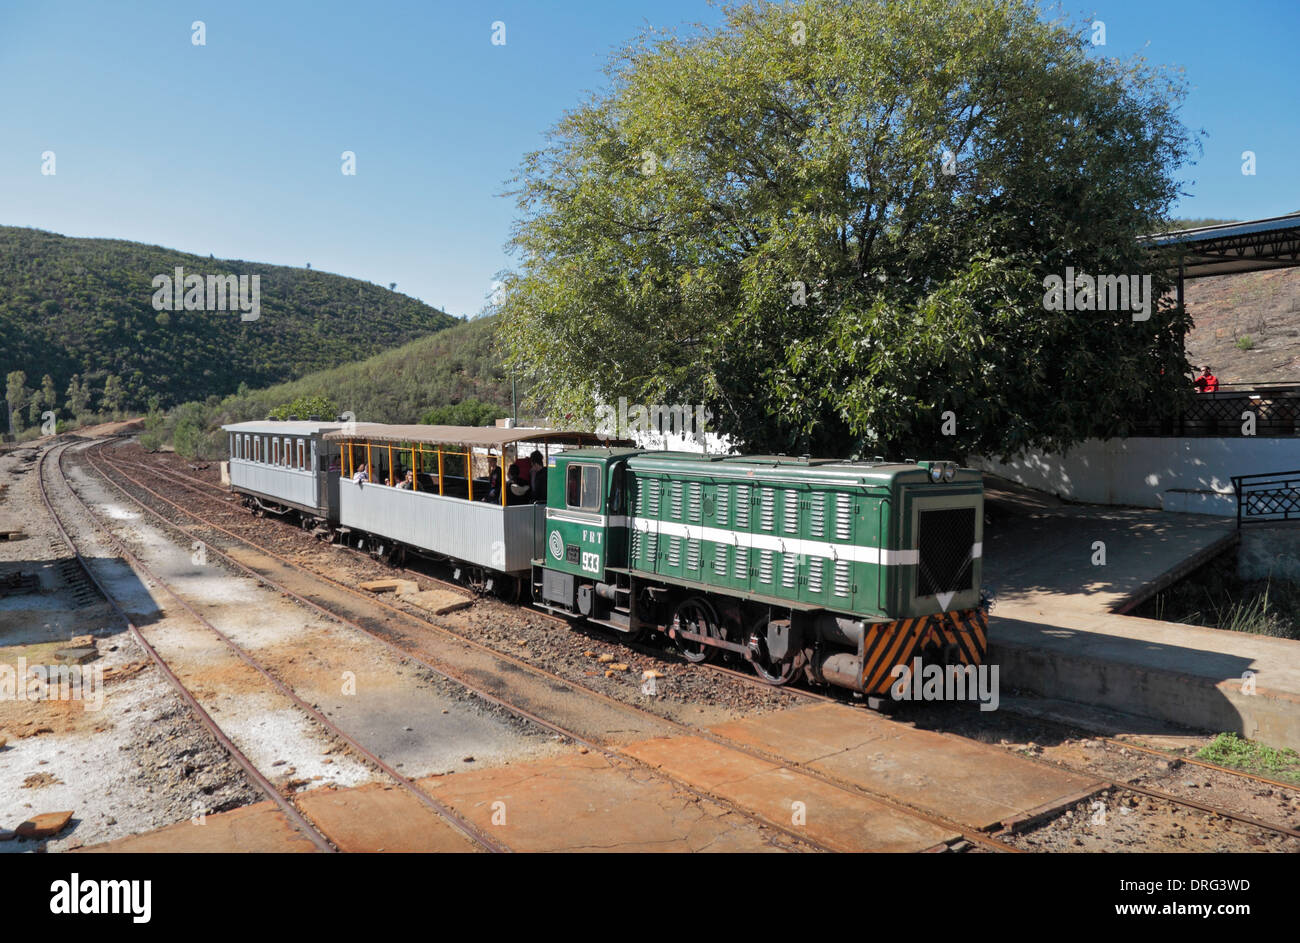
(1274, 496)
(1276, 409)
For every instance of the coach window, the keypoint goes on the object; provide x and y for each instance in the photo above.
(288, 453)
(302, 457)
(582, 487)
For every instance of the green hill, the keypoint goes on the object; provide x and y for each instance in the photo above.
(85, 307)
(457, 366)
(402, 384)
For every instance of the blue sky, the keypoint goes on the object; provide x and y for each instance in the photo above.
(233, 148)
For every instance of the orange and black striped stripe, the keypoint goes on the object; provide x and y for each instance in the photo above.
(890, 644)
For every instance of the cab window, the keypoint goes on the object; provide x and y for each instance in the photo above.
(582, 487)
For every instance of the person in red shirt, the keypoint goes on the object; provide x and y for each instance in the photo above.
(1207, 382)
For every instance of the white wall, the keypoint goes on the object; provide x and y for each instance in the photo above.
(1138, 471)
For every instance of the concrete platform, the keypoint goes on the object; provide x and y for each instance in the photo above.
(1056, 627)
(837, 818)
(585, 802)
(380, 818)
(970, 783)
(1170, 672)
(260, 827)
(1043, 557)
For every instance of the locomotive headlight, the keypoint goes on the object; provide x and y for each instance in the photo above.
(949, 471)
(936, 472)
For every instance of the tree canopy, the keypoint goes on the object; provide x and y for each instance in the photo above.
(830, 222)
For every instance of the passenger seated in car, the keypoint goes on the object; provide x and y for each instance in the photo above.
(362, 474)
(405, 483)
(517, 491)
(493, 481)
(538, 473)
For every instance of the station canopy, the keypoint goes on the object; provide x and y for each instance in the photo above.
(1230, 248)
(481, 436)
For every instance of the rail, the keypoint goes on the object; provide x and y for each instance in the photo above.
(1274, 496)
(1275, 408)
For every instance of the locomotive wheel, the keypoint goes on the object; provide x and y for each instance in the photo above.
(774, 673)
(696, 614)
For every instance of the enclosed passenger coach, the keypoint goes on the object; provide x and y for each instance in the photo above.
(284, 468)
(430, 489)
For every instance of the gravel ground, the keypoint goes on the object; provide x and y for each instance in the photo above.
(138, 762)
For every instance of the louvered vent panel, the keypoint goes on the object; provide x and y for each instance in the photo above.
(843, 517)
(843, 584)
(789, 570)
(720, 559)
(816, 567)
(817, 515)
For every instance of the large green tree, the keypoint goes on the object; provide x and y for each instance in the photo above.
(830, 222)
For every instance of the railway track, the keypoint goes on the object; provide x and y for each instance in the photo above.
(445, 672)
(455, 820)
(299, 821)
(213, 491)
(190, 481)
(515, 665)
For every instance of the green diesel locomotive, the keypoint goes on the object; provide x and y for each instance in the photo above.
(841, 571)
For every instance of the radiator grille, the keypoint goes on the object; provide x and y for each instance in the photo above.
(944, 542)
(843, 578)
(692, 554)
(765, 566)
(816, 567)
(741, 569)
(742, 507)
(817, 515)
(843, 517)
(647, 497)
(790, 524)
(720, 512)
(767, 509)
(720, 559)
(676, 499)
(693, 503)
(674, 551)
(789, 570)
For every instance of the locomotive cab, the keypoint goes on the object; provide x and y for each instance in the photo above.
(586, 535)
